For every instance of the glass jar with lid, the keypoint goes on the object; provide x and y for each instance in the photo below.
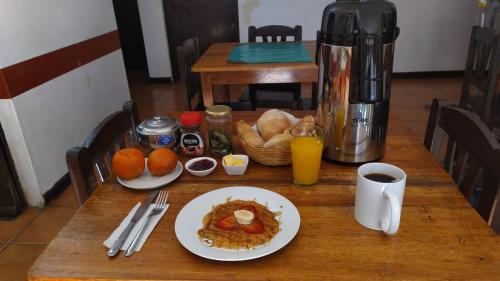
(220, 130)
(191, 143)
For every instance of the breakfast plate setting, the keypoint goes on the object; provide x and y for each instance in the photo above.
(191, 219)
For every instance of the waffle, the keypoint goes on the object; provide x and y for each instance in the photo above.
(212, 236)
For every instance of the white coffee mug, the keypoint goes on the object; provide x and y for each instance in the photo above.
(378, 204)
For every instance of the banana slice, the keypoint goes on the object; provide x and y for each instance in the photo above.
(243, 216)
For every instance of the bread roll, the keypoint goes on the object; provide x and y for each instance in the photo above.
(248, 134)
(272, 122)
(279, 141)
(307, 120)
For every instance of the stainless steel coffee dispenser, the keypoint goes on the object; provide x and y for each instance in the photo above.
(355, 50)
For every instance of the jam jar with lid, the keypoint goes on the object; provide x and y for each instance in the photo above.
(159, 131)
(220, 129)
(191, 143)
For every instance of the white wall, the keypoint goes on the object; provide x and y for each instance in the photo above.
(42, 123)
(155, 38)
(434, 33)
(77, 101)
(32, 28)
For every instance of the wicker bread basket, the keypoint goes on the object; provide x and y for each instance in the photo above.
(267, 156)
(275, 156)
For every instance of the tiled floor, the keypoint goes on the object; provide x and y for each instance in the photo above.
(411, 99)
(23, 239)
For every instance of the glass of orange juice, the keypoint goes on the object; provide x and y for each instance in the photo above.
(306, 147)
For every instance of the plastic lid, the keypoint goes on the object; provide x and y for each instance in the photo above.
(191, 119)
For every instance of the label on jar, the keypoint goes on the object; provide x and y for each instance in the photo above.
(165, 139)
(192, 144)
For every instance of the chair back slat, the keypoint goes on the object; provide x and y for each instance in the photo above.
(434, 134)
(494, 220)
(472, 157)
(470, 177)
(100, 173)
(129, 139)
(121, 143)
(488, 195)
(90, 164)
(187, 55)
(450, 155)
(277, 33)
(483, 43)
(492, 84)
(459, 163)
(107, 159)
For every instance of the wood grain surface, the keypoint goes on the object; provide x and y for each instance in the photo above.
(215, 70)
(440, 236)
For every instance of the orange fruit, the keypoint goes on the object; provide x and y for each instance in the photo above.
(162, 161)
(128, 163)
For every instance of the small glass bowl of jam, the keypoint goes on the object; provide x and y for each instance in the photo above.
(201, 166)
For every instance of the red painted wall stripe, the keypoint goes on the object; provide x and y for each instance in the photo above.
(26, 75)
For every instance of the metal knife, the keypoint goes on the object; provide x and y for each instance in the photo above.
(137, 216)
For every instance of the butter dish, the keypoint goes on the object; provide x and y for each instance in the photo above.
(235, 165)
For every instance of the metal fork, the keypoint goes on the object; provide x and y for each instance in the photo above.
(160, 205)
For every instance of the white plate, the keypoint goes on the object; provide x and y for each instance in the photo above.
(189, 221)
(147, 181)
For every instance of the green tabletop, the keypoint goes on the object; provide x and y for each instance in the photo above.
(279, 52)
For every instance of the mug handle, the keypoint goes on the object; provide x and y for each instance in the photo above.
(390, 225)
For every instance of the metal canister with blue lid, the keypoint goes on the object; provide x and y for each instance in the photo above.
(159, 131)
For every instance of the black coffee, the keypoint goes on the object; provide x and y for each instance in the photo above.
(380, 177)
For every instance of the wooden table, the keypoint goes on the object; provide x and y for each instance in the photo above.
(215, 70)
(440, 236)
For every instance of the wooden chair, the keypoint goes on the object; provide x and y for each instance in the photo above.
(472, 157)
(89, 165)
(281, 95)
(274, 32)
(187, 55)
(495, 214)
(434, 134)
(479, 90)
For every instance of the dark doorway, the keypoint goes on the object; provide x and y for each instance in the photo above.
(129, 29)
(11, 196)
(212, 21)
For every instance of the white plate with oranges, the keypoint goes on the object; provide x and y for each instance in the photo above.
(158, 169)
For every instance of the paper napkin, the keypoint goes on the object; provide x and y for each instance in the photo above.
(116, 233)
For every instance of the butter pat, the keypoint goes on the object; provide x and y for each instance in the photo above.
(243, 216)
(229, 160)
(235, 165)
